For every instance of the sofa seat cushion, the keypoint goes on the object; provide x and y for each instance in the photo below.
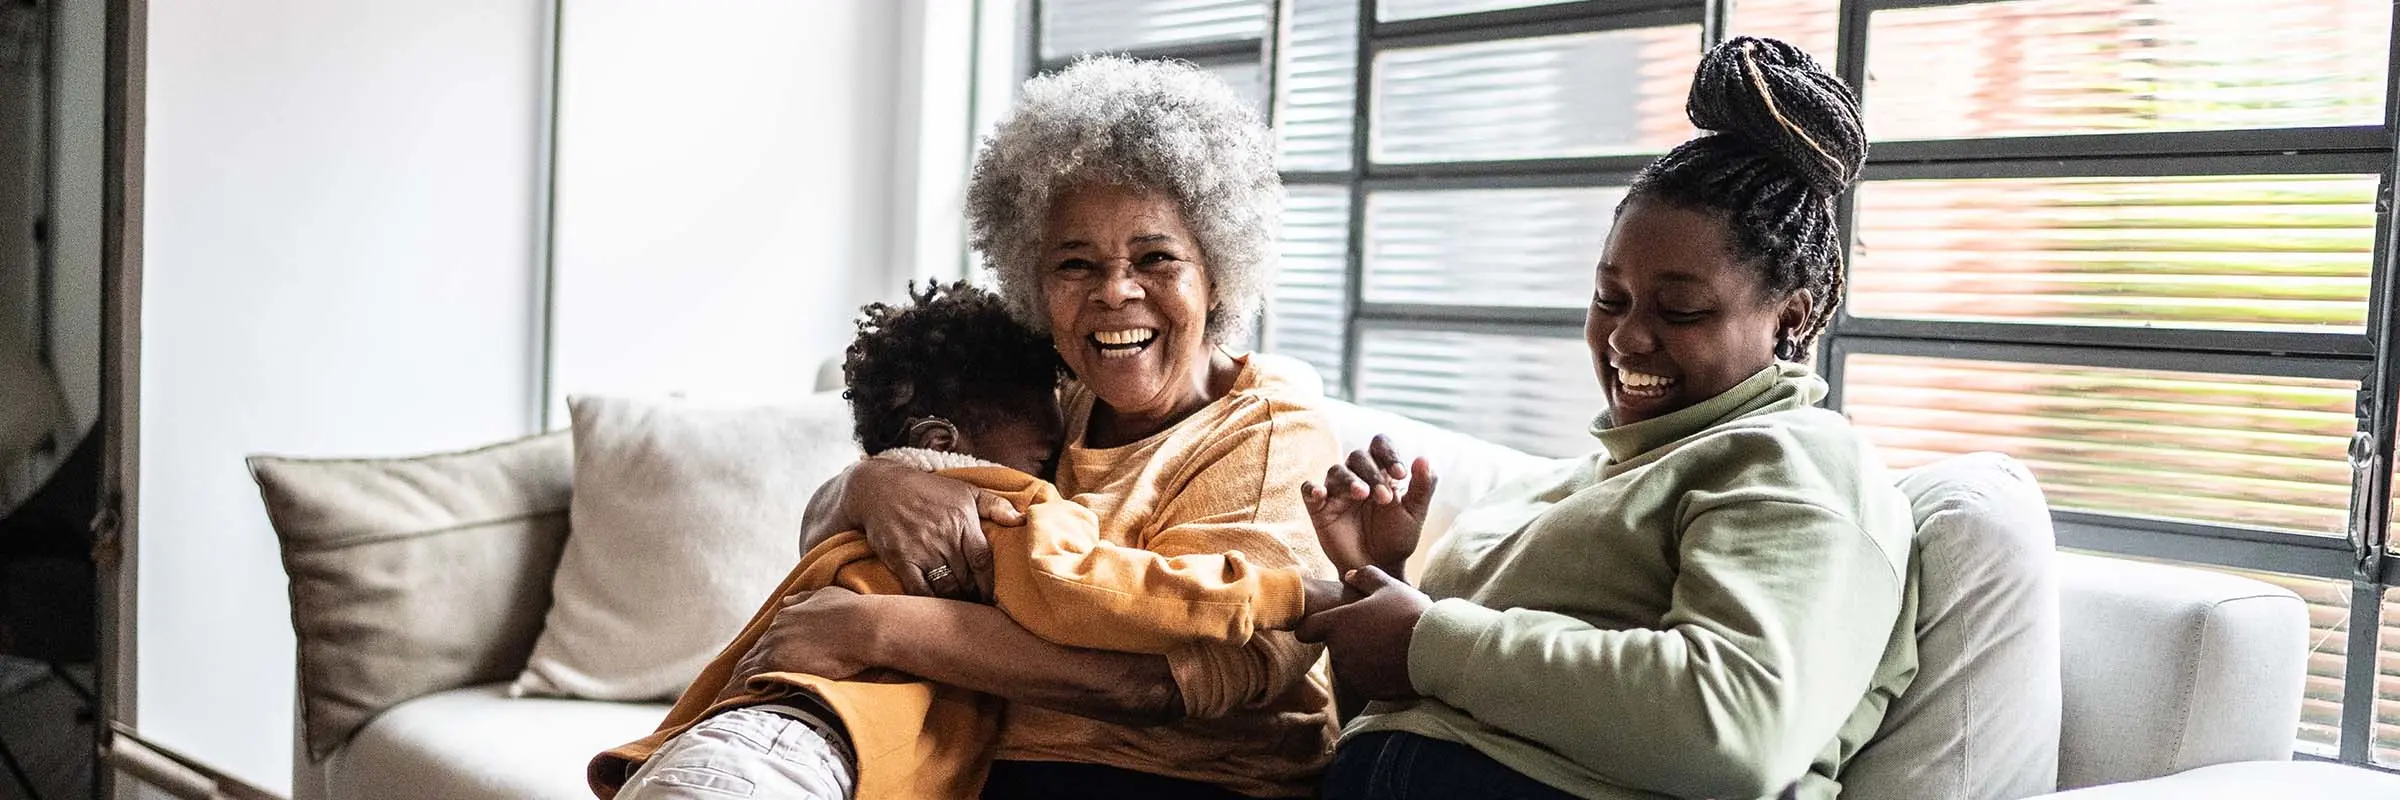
(2252, 780)
(477, 743)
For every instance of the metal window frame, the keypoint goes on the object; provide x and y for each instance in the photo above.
(2355, 150)
(2371, 355)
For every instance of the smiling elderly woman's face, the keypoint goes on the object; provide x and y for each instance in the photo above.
(1128, 296)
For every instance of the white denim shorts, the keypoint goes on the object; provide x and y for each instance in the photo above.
(761, 751)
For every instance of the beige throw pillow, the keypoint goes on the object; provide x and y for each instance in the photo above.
(1981, 722)
(411, 576)
(685, 519)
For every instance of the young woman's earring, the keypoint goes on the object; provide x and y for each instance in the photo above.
(1787, 347)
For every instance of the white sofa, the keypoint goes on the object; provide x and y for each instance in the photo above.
(2136, 680)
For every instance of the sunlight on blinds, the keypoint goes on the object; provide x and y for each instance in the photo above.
(1811, 25)
(1536, 394)
(1389, 10)
(1070, 27)
(1587, 94)
(2240, 450)
(1305, 309)
(2272, 252)
(2387, 683)
(1487, 247)
(1249, 82)
(1320, 85)
(2031, 67)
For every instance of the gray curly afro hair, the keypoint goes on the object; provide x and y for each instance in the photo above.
(1150, 125)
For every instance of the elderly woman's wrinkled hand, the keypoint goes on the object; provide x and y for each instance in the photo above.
(1369, 638)
(829, 633)
(928, 529)
(1371, 508)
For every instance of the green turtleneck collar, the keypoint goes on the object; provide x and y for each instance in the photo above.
(1780, 385)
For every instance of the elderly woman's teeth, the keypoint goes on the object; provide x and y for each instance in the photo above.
(1119, 344)
(1643, 383)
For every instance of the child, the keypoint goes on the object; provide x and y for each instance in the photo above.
(949, 383)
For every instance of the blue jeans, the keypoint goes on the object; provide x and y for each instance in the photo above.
(1391, 765)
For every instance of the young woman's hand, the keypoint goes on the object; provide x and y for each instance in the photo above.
(926, 528)
(1371, 508)
(1369, 638)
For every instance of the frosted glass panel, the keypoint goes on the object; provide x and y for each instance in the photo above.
(1304, 310)
(1586, 94)
(2273, 252)
(1536, 394)
(1070, 27)
(1811, 25)
(2241, 450)
(2030, 67)
(1320, 85)
(2387, 692)
(1417, 9)
(1487, 247)
(1249, 82)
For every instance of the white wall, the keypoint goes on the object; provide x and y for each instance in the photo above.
(725, 191)
(341, 218)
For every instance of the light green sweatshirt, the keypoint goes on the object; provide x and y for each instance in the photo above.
(1716, 605)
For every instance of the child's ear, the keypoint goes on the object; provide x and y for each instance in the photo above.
(933, 433)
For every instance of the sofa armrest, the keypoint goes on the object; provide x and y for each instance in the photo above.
(2167, 668)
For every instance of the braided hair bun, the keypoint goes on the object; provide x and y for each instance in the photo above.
(1774, 97)
(1781, 140)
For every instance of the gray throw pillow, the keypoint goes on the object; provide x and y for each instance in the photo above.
(411, 576)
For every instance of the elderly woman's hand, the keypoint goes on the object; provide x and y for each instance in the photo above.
(1371, 508)
(928, 529)
(1369, 638)
(829, 633)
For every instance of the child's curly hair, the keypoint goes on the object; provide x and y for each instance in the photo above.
(953, 351)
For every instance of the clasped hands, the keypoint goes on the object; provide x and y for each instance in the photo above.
(1368, 514)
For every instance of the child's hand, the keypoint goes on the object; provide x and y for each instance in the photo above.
(1371, 508)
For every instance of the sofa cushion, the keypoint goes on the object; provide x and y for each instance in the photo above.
(413, 575)
(2172, 668)
(2252, 780)
(479, 743)
(1982, 718)
(685, 518)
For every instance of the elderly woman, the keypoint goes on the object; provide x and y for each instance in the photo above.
(1712, 605)
(1128, 210)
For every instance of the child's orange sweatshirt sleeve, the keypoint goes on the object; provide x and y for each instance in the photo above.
(1056, 577)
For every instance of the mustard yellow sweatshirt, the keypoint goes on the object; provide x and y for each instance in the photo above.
(1225, 479)
(1715, 605)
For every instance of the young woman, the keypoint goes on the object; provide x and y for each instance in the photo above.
(1713, 605)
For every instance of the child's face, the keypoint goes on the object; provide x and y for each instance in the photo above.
(1025, 436)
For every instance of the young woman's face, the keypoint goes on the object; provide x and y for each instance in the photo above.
(1674, 319)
